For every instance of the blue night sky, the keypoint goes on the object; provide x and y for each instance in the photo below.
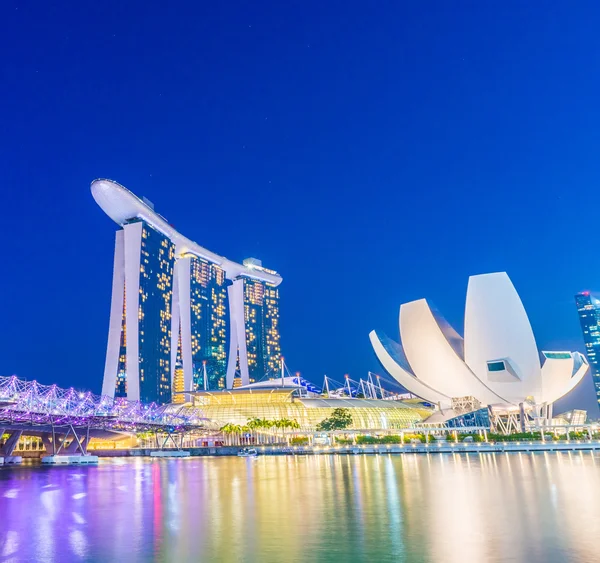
(373, 153)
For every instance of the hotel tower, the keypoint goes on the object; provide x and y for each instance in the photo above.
(182, 318)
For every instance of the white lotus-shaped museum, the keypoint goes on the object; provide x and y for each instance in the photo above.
(497, 362)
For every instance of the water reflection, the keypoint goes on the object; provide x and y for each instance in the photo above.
(437, 508)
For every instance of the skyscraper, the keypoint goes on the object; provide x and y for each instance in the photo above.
(255, 349)
(202, 307)
(261, 313)
(138, 358)
(177, 307)
(588, 308)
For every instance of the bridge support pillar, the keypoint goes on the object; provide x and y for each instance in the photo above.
(77, 445)
(11, 443)
(51, 448)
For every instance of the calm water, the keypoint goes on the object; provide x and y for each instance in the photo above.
(440, 508)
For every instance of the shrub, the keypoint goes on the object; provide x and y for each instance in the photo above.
(516, 437)
(299, 441)
(378, 439)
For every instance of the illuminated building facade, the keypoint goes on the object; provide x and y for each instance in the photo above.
(255, 350)
(588, 308)
(121, 384)
(240, 405)
(178, 384)
(157, 259)
(203, 322)
(254, 316)
(138, 362)
(176, 307)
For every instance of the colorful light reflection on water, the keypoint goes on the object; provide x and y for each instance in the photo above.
(437, 508)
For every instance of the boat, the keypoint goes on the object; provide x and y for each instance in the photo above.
(247, 452)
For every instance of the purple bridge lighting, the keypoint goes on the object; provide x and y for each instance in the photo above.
(59, 415)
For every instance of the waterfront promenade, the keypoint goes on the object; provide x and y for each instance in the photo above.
(379, 449)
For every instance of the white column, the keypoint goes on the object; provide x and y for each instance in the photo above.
(183, 270)
(116, 319)
(233, 341)
(175, 321)
(237, 333)
(133, 247)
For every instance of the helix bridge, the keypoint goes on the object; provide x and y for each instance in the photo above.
(55, 414)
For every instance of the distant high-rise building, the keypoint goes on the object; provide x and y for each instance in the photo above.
(588, 308)
(182, 318)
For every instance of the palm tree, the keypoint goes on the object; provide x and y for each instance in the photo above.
(286, 423)
(232, 429)
(258, 424)
(228, 429)
(255, 423)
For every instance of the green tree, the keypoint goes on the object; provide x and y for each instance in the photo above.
(257, 424)
(234, 429)
(340, 419)
(286, 423)
(293, 424)
(231, 428)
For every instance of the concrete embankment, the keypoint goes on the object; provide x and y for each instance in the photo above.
(145, 452)
(433, 448)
